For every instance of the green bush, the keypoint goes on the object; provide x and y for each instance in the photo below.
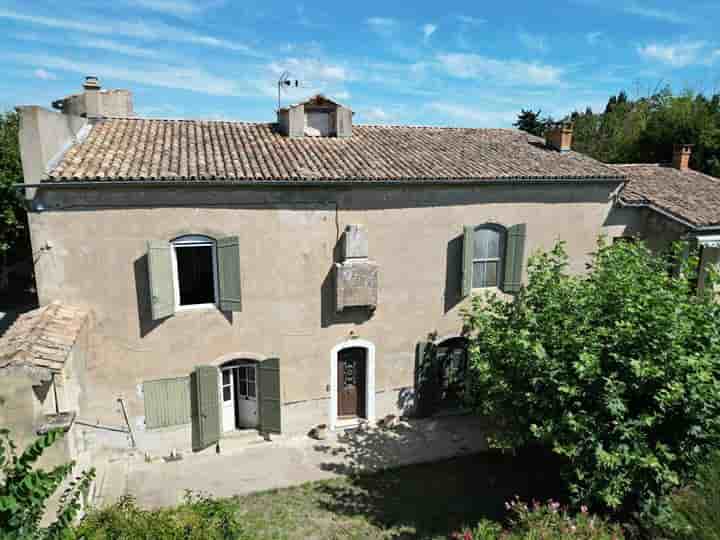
(616, 370)
(695, 509)
(198, 518)
(25, 490)
(544, 521)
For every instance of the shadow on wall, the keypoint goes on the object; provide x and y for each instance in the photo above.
(453, 273)
(432, 499)
(328, 313)
(142, 290)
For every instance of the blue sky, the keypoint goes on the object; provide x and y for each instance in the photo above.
(469, 63)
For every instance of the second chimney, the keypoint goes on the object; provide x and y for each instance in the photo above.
(559, 137)
(681, 156)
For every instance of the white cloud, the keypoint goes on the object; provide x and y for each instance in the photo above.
(137, 29)
(675, 55)
(114, 46)
(44, 75)
(311, 71)
(533, 42)
(473, 115)
(594, 38)
(376, 114)
(468, 19)
(428, 30)
(180, 8)
(380, 22)
(167, 76)
(665, 15)
(472, 66)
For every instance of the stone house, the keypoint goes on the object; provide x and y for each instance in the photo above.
(277, 276)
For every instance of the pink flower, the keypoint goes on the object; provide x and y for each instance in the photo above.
(584, 509)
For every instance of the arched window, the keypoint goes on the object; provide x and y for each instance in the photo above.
(488, 256)
(194, 261)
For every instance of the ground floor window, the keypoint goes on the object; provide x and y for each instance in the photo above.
(452, 359)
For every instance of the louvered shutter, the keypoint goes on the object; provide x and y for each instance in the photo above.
(467, 262)
(205, 406)
(269, 396)
(426, 378)
(514, 258)
(228, 254)
(160, 275)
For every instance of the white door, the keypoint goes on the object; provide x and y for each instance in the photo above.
(247, 397)
(227, 391)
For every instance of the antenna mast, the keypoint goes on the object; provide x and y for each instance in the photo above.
(285, 82)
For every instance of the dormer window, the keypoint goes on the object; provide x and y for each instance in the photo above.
(316, 117)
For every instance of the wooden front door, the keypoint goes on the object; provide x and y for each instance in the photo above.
(351, 382)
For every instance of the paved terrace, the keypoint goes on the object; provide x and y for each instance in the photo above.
(248, 463)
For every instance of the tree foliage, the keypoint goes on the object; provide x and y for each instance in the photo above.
(24, 491)
(644, 130)
(14, 240)
(531, 122)
(616, 370)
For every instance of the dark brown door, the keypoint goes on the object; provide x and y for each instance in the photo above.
(351, 382)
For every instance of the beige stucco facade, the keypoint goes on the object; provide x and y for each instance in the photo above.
(288, 235)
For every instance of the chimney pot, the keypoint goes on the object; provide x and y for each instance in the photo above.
(681, 156)
(559, 137)
(91, 83)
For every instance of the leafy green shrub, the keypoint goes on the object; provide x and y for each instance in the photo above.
(198, 518)
(616, 370)
(24, 491)
(546, 521)
(695, 509)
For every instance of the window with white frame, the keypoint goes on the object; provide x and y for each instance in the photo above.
(488, 256)
(194, 260)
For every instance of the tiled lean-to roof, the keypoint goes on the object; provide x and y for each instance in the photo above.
(40, 340)
(692, 196)
(130, 149)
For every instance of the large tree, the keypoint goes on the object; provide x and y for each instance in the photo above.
(14, 241)
(616, 370)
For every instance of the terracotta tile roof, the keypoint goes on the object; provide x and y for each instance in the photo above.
(192, 150)
(40, 340)
(689, 195)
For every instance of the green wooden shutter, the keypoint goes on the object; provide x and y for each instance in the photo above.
(167, 402)
(205, 406)
(269, 396)
(514, 257)
(467, 262)
(160, 274)
(427, 378)
(228, 252)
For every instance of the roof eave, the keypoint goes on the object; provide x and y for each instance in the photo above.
(324, 182)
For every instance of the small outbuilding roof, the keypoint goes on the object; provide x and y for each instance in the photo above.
(137, 149)
(40, 340)
(688, 195)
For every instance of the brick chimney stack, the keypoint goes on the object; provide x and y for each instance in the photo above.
(559, 137)
(681, 156)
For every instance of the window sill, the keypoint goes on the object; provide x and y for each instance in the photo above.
(195, 307)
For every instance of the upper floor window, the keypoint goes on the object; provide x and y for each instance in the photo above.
(488, 256)
(493, 256)
(194, 271)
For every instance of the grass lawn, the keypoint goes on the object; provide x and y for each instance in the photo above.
(425, 501)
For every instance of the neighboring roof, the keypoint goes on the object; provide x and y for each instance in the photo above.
(689, 195)
(130, 149)
(40, 340)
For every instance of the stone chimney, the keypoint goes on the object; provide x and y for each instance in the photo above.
(95, 102)
(681, 156)
(559, 137)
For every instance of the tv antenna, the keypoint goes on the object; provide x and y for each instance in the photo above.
(285, 82)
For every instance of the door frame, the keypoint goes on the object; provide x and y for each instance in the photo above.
(369, 379)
